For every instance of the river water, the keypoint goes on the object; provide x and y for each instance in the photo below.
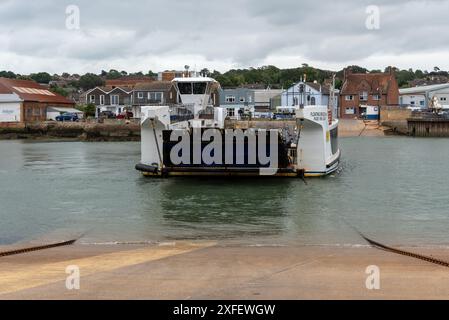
(394, 189)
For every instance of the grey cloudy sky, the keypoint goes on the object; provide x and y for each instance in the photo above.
(142, 35)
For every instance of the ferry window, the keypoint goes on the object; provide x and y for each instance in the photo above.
(199, 87)
(185, 87)
(242, 99)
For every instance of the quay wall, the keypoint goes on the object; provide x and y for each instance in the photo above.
(395, 118)
(85, 131)
(422, 127)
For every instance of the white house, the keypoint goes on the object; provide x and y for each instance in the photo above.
(422, 96)
(308, 93)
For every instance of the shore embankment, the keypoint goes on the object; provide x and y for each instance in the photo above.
(122, 130)
(209, 270)
(83, 131)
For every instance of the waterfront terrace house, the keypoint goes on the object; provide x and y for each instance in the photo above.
(28, 101)
(258, 102)
(309, 94)
(360, 90)
(237, 101)
(114, 99)
(153, 93)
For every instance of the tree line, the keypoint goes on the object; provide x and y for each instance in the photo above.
(267, 76)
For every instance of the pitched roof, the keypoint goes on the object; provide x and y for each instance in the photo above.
(153, 86)
(29, 90)
(370, 82)
(318, 87)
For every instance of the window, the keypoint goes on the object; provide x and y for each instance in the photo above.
(443, 99)
(363, 96)
(312, 101)
(36, 112)
(139, 95)
(242, 99)
(115, 99)
(412, 103)
(350, 110)
(230, 99)
(421, 103)
(102, 99)
(250, 99)
(92, 98)
(199, 87)
(349, 98)
(376, 97)
(185, 87)
(155, 97)
(231, 112)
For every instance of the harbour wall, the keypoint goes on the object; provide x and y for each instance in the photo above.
(428, 127)
(396, 118)
(84, 131)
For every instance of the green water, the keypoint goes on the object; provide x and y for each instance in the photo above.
(394, 189)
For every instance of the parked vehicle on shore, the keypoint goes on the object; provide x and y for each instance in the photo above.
(125, 115)
(107, 114)
(67, 117)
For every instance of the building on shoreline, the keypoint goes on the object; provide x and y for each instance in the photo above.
(362, 90)
(113, 99)
(421, 97)
(259, 102)
(153, 93)
(312, 93)
(28, 101)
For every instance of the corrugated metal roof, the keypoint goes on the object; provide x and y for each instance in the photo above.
(424, 89)
(29, 90)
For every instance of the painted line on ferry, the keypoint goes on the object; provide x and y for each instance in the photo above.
(15, 277)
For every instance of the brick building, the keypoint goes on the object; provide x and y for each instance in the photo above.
(360, 90)
(28, 101)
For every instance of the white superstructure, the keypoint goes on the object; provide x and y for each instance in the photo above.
(308, 145)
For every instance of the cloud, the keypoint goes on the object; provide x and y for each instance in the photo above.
(143, 35)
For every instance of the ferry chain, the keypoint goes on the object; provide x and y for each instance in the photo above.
(405, 253)
(37, 248)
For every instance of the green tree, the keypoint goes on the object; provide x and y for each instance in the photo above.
(41, 77)
(59, 90)
(113, 74)
(87, 109)
(8, 74)
(89, 81)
